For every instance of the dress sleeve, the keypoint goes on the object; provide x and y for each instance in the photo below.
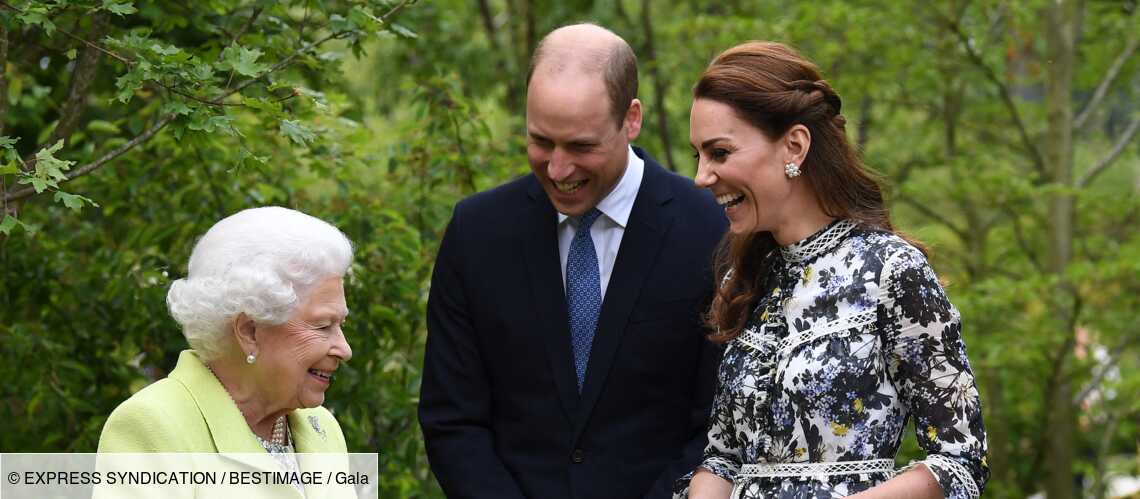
(926, 362)
(722, 455)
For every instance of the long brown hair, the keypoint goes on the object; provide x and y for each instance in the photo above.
(773, 87)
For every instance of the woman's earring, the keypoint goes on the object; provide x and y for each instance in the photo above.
(791, 170)
(249, 359)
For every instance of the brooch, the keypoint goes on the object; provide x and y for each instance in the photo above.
(316, 424)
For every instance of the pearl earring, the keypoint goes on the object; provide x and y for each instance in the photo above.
(791, 170)
(249, 359)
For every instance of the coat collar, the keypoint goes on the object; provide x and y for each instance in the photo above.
(228, 428)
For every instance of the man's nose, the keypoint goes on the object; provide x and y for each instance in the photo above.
(561, 165)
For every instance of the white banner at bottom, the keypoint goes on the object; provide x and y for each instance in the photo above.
(189, 475)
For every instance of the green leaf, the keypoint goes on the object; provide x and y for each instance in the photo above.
(10, 169)
(7, 225)
(177, 107)
(168, 50)
(402, 31)
(71, 54)
(102, 126)
(48, 167)
(338, 22)
(205, 123)
(297, 132)
(73, 201)
(242, 60)
(7, 142)
(128, 83)
(38, 16)
(119, 7)
(38, 184)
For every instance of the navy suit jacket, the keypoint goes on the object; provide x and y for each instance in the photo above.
(500, 408)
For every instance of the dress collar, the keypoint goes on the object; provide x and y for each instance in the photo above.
(816, 244)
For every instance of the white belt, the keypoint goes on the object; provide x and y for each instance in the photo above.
(792, 470)
(788, 470)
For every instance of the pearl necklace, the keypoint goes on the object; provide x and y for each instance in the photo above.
(279, 439)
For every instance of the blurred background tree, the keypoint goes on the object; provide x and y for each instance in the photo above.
(1006, 130)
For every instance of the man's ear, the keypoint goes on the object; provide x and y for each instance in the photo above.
(633, 120)
(245, 333)
(797, 142)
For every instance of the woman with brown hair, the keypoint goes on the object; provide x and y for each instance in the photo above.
(836, 330)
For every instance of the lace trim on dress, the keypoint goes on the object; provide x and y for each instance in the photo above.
(795, 470)
(818, 243)
(841, 324)
(961, 474)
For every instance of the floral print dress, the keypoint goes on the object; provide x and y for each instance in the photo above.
(852, 338)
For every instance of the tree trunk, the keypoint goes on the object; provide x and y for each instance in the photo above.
(658, 87)
(3, 76)
(1062, 17)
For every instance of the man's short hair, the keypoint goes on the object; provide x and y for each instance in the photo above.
(619, 72)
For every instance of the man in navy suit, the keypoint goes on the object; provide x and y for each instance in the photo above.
(566, 355)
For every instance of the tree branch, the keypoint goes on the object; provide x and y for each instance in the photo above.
(166, 119)
(237, 36)
(1107, 161)
(961, 233)
(658, 86)
(1109, 78)
(248, 24)
(95, 165)
(82, 76)
(1003, 91)
(287, 60)
(1104, 370)
(489, 24)
(1019, 234)
(77, 38)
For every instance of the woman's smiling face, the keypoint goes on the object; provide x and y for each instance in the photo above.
(742, 167)
(296, 359)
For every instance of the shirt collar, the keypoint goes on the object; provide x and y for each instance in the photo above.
(618, 204)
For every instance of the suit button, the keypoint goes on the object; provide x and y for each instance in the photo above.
(577, 456)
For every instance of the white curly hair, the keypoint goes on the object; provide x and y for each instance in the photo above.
(260, 262)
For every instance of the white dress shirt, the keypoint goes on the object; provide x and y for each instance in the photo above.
(608, 228)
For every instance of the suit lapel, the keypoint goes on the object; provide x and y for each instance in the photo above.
(648, 224)
(543, 266)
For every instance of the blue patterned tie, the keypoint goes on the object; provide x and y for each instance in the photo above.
(583, 292)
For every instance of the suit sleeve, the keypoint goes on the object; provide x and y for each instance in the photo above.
(703, 392)
(698, 422)
(455, 397)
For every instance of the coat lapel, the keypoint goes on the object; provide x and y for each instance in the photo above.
(648, 224)
(540, 224)
(228, 428)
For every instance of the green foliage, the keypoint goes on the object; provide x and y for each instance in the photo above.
(332, 108)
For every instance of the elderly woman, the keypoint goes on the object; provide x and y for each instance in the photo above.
(262, 308)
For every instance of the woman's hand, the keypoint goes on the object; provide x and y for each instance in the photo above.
(915, 483)
(706, 485)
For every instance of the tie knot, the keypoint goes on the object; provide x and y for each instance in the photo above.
(587, 219)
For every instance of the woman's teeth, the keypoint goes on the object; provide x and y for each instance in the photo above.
(568, 187)
(729, 200)
(321, 374)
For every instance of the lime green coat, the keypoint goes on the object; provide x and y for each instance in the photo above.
(190, 411)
